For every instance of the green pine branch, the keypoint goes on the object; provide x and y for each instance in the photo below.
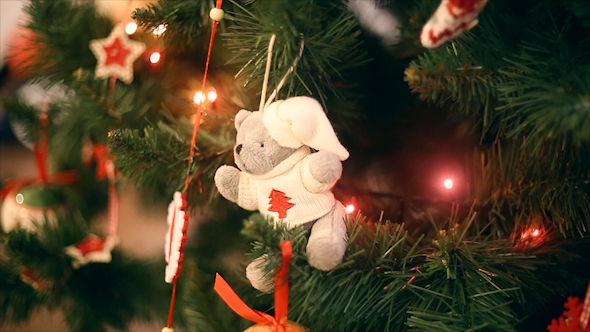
(156, 160)
(550, 188)
(59, 51)
(187, 22)
(328, 30)
(534, 82)
(94, 297)
(455, 278)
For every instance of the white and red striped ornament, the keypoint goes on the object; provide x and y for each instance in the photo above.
(176, 236)
(585, 315)
(451, 18)
(576, 317)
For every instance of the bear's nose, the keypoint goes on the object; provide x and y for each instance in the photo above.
(239, 148)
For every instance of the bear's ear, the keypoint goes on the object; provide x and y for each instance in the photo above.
(240, 117)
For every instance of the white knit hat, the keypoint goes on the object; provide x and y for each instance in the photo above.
(300, 121)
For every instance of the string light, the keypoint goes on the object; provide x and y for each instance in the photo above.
(199, 97)
(536, 233)
(130, 28)
(155, 57)
(212, 96)
(350, 208)
(159, 30)
(448, 183)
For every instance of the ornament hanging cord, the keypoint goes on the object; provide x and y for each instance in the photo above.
(263, 104)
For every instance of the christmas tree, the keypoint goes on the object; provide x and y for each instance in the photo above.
(466, 193)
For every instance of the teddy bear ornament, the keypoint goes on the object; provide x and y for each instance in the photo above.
(288, 159)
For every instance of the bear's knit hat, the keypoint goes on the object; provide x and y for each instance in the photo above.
(300, 121)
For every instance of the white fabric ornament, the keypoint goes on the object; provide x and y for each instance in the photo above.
(175, 237)
(38, 95)
(300, 121)
(25, 208)
(115, 55)
(452, 17)
(377, 20)
(92, 249)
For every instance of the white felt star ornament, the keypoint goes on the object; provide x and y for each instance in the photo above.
(115, 55)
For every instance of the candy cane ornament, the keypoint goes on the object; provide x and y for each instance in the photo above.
(451, 18)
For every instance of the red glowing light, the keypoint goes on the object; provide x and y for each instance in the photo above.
(448, 183)
(350, 208)
(155, 57)
(536, 233)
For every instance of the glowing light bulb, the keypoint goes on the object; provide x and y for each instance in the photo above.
(199, 97)
(350, 208)
(159, 30)
(448, 183)
(536, 233)
(155, 57)
(19, 198)
(212, 96)
(130, 28)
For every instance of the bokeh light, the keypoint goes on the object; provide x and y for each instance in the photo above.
(448, 183)
(130, 28)
(350, 208)
(155, 57)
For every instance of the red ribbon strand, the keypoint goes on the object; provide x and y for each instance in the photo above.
(191, 153)
(281, 296)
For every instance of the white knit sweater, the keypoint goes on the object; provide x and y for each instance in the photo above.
(288, 192)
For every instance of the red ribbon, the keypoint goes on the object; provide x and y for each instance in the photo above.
(40, 150)
(196, 125)
(65, 177)
(102, 156)
(281, 296)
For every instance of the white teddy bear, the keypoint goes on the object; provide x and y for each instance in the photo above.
(289, 158)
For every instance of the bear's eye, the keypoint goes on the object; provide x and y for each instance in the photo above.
(261, 145)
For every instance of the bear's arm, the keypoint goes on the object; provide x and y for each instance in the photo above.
(227, 180)
(236, 187)
(320, 171)
(247, 193)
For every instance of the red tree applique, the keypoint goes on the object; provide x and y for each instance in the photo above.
(279, 203)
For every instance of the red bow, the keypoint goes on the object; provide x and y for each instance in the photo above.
(281, 296)
(64, 177)
(40, 150)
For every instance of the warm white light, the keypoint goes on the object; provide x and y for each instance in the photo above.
(199, 97)
(350, 208)
(536, 233)
(212, 96)
(448, 183)
(130, 28)
(19, 198)
(24, 213)
(155, 57)
(159, 30)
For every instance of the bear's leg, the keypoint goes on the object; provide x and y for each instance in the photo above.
(327, 242)
(264, 282)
